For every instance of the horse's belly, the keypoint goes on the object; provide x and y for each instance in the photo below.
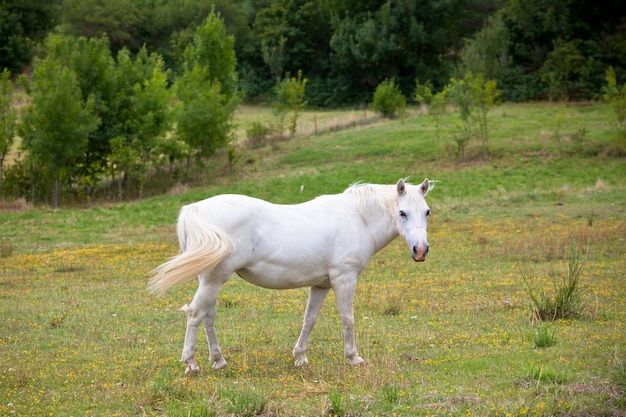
(278, 278)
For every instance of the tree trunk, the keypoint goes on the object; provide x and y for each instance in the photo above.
(55, 193)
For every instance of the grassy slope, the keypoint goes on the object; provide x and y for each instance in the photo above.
(448, 337)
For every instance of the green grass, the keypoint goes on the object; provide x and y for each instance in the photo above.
(80, 335)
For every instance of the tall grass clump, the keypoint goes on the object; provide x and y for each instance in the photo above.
(245, 403)
(544, 337)
(566, 299)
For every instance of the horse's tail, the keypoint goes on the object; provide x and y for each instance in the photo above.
(203, 247)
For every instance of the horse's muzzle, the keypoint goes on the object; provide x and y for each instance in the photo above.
(419, 252)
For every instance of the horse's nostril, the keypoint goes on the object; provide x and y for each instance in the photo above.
(420, 251)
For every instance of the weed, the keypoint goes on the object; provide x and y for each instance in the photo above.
(57, 319)
(390, 394)
(233, 156)
(557, 133)
(335, 406)
(618, 372)
(543, 336)
(244, 403)
(392, 310)
(542, 375)
(566, 299)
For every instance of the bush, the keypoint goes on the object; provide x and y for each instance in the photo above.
(388, 100)
(257, 134)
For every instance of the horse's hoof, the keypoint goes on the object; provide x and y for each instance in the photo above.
(192, 371)
(301, 362)
(219, 364)
(357, 361)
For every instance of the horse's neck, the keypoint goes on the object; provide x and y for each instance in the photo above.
(379, 220)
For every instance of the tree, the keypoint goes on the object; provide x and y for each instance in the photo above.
(564, 71)
(23, 24)
(484, 95)
(8, 119)
(616, 96)
(457, 92)
(118, 20)
(207, 90)
(289, 102)
(473, 97)
(487, 53)
(131, 99)
(434, 102)
(294, 35)
(561, 48)
(57, 123)
(95, 69)
(400, 40)
(144, 114)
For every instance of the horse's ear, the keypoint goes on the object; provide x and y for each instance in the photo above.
(401, 187)
(425, 187)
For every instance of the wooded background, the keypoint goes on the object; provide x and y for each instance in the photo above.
(535, 49)
(107, 95)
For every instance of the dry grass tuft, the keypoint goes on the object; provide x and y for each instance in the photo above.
(20, 205)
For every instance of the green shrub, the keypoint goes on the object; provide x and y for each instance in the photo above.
(388, 100)
(258, 133)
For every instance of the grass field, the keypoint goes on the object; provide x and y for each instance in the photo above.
(80, 336)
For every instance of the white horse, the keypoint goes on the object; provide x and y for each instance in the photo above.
(321, 244)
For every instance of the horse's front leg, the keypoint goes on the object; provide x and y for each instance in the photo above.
(344, 293)
(316, 298)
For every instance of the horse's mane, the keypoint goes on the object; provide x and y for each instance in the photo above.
(364, 193)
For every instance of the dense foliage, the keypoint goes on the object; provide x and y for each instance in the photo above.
(545, 49)
(23, 24)
(8, 119)
(144, 84)
(93, 118)
(535, 49)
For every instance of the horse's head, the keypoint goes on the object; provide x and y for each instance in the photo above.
(413, 214)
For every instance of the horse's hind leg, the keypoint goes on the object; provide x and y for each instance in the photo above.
(202, 310)
(211, 336)
(316, 298)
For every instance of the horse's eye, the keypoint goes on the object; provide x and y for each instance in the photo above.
(427, 212)
(402, 214)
